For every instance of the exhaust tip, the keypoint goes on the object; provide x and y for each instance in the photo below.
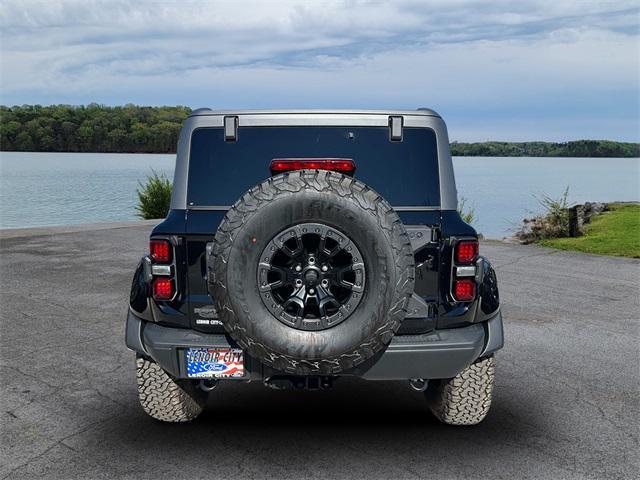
(419, 384)
(208, 385)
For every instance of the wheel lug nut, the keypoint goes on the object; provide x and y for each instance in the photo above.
(311, 291)
(324, 268)
(298, 268)
(325, 283)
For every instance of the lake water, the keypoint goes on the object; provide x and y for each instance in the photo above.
(38, 189)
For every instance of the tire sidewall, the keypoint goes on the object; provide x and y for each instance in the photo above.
(255, 328)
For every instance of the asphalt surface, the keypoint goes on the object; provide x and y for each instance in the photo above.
(566, 403)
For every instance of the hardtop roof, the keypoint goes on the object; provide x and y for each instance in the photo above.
(419, 112)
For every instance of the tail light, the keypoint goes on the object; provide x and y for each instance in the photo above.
(463, 270)
(464, 290)
(466, 251)
(160, 251)
(163, 288)
(163, 285)
(342, 165)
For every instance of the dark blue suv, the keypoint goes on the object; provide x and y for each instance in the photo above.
(304, 246)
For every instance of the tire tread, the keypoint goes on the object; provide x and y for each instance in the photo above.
(466, 398)
(165, 398)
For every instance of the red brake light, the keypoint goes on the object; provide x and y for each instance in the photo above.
(464, 290)
(466, 251)
(343, 165)
(163, 289)
(160, 251)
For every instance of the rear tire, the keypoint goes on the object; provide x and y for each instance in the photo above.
(464, 399)
(165, 398)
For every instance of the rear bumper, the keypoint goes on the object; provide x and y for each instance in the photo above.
(439, 354)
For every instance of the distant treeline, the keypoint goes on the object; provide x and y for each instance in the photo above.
(135, 129)
(577, 148)
(91, 128)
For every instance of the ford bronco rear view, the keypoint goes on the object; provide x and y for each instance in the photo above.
(306, 246)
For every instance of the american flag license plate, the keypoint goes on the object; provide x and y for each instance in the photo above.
(215, 362)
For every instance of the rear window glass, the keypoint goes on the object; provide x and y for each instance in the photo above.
(405, 173)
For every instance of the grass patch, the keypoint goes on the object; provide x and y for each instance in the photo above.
(616, 232)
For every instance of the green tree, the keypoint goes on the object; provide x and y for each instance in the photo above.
(25, 141)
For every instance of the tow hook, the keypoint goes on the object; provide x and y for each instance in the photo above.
(419, 384)
(207, 385)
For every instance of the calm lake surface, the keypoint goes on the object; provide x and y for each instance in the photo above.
(38, 189)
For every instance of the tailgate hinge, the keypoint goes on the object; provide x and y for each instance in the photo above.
(421, 235)
(418, 308)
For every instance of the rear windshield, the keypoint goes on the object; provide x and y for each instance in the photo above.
(405, 173)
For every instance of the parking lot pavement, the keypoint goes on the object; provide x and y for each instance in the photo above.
(566, 403)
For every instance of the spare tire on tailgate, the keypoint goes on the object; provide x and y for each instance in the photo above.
(311, 272)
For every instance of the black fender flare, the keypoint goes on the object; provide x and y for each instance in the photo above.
(139, 295)
(488, 294)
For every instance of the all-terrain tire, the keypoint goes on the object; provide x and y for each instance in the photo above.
(165, 398)
(464, 399)
(338, 201)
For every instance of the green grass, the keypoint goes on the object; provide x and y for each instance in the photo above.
(616, 232)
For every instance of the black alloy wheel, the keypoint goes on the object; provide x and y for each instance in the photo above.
(311, 276)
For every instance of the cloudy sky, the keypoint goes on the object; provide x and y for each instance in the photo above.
(503, 70)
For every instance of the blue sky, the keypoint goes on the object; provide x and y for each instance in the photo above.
(496, 70)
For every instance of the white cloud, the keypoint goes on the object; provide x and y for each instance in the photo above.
(504, 58)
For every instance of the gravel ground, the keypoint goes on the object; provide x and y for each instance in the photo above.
(566, 403)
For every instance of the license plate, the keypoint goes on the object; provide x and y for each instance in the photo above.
(215, 362)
